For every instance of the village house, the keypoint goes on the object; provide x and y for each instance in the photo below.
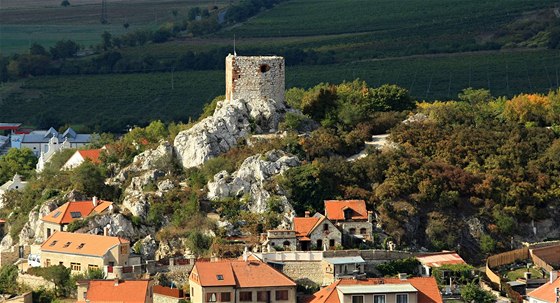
(38, 140)
(342, 267)
(15, 184)
(380, 290)
(352, 218)
(239, 281)
(316, 233)
(102, 291)
(58, 219)
(548, 292)
(83, 252)
(80, 156)
(279, 240)
(431, 260)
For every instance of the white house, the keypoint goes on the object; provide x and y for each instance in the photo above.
(80, 156)
(15, 184)
(548, 292)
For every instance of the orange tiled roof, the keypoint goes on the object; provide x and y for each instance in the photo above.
(428, 291)
(439, 259)
(334, 209)
(81, 244)
(71, 211)
(91, 154)
(238, 273)
(129, 291)
(546, 292)
(305, 225)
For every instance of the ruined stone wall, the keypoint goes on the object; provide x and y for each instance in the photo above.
(255, 78)
(34, 282)
(311, 270)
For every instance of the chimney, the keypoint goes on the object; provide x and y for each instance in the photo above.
(245, 254)
(307, 213)
(94, 201)
(116, 281)
(402, 276)
(370, 216)
(553, 276)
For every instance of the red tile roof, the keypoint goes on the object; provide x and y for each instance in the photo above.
(439, 259)
(334, 209)
(238, 273)
(428, 291)
(129, 291)
(547, 292)
(81, 244)
(305, 225)
(91, 154)
(63, 214)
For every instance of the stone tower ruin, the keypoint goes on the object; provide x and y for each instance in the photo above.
(255, 79)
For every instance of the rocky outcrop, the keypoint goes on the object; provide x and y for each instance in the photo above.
(148, 160)
(32, 231)
(220, 132)
(146, 247)
(118, 225)
(173, 247)
(250, 179)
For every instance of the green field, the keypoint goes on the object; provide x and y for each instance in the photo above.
(110, 102)
(45, 22)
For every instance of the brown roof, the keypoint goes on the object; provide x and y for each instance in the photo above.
(80, 244)
(334, 209)
(238, 273)
(546, 292)
(304, 226)
(129, 291)
(439, 259)
(91, 154)
(71, 211)
(428, 291)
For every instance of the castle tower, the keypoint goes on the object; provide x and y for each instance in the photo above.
(255, 78)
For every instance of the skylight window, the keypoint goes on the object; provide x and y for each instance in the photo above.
(67, 244)
(76, 214)
(56, 214)
(53, 243)
(220, 277)
(81, 245)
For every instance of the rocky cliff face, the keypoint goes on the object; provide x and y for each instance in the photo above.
(250, 180)
(220, 132)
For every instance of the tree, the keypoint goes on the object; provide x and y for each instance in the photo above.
(65, 3)
(37, 49)
(21, 161)
(473, 293)
(475, 96)
(8, 279)
(89, 179)
(390, 97)
(64, 49)
(60, 276)
(106, 40)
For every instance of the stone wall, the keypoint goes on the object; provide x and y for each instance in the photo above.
(311, 270)
(34, 282)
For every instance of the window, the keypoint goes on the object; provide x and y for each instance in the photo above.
(245, 296)
(262, 296)
(48, 232)
(76, 266)
(56, 214)
(363, 231)
(225, 297)
(81, 245)
(325, 227)
(331, 243)
(124, 249)
(352, 231)
(53, 243)
(93, 267)
(348, 214)
(75, 214)
(220, 277)
(67, 244)
(265, 68)
(357, 299)
(378, 298)
(402, 298)
(211, 297)
(282, 295)
(192, 292)
(47, 262)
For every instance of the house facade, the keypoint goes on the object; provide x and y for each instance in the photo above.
(352, 218)
(380, 290)
(102, 291)
(15, 184)
(38, 140)
(279, 239)
(316, 233)
(83, 252)
(548, 292)
(342, 267)
(430, 260)
(58, 219)
(80, 156)
(239, 281)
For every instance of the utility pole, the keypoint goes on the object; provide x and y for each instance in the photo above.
(104, 12)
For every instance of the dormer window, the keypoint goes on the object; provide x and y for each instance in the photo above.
(53, 243)
(81, 245)
(348, 214)
(220, 277)
(67, 244)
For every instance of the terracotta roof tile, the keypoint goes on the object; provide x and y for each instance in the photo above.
(304, 226)
(546, 292)
(71, 243)
(238, 273)
(91, 154)
(334, 209)
(439, 259)
(71, 211)
(428, 291)
(129, 291)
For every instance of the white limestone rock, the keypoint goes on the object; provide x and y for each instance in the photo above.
(32, 231)
(148, 247)
(249, 181)
(220, 132)
(148, 160)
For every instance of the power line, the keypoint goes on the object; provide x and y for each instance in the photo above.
(104, 12)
